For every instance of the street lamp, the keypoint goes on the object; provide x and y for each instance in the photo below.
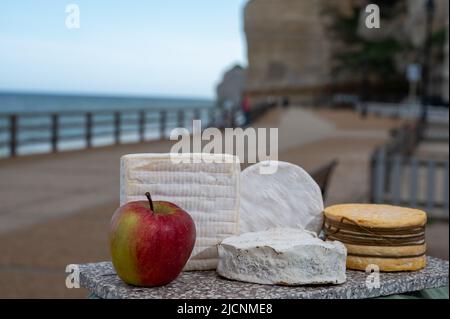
(429, 7)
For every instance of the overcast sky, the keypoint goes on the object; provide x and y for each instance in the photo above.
(164, 48)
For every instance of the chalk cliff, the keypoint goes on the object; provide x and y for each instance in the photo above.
(231, 87)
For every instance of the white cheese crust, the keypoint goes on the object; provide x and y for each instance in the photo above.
(282, 256)
(287, 198)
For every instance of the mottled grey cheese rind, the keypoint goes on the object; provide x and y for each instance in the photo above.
(282, 256)
(279, 194)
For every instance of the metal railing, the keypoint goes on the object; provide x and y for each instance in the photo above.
(399, 178)
(436, 114)
(54, 129)
(411, 181)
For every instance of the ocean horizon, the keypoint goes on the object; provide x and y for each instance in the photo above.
(30, 102)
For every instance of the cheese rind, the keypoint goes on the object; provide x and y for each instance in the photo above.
(206, 186)
(287, 198)
(387, 251)
(390, 237)
(387, 264)
(283, 256)
(384, 216)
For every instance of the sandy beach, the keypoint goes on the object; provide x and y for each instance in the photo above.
(55, 208)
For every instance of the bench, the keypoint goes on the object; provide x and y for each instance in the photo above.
(323, 174)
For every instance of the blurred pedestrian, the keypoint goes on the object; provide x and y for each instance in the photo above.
(245, 105)
(285, 102)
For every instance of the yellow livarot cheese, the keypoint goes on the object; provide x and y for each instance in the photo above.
(387, 264)
(387, 251)
(391, 237)
(371, 215)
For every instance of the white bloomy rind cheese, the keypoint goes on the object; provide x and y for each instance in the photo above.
(206, 186)
(288, 197)
(282, 256)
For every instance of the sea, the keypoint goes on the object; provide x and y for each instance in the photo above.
(32, 106)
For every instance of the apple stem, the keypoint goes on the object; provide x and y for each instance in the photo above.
(149, 197)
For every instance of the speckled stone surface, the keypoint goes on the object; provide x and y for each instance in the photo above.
(101, 280)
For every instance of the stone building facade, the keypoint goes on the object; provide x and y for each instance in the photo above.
(445, 82)
(286, 46)
(289, 48)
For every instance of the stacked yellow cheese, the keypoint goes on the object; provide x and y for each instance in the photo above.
(393, 238)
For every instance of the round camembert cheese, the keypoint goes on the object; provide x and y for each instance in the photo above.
(286, 197)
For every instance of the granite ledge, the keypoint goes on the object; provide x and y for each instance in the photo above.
(100, 279)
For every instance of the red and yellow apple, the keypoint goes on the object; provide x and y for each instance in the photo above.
(150, 242)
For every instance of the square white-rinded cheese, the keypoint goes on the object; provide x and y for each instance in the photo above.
(205, 185)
